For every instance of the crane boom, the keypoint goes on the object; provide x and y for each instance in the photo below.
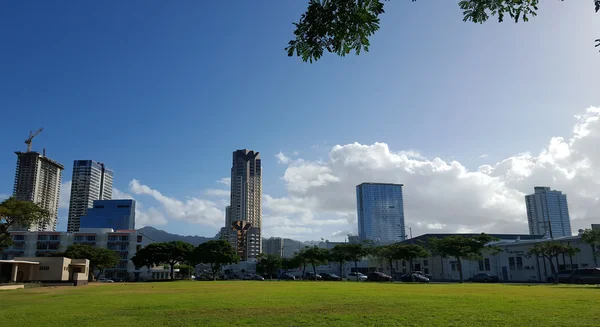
(31, 136)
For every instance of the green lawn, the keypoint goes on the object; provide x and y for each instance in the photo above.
(301, 304)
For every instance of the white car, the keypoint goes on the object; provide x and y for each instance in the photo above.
(352, 276)
(104, 280)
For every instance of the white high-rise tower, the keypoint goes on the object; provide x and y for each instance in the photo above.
(548, 213)
(91, 181)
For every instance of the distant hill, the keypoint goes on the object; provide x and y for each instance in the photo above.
(161, 236)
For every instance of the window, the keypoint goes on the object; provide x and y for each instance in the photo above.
(519, 263)
(511, 263)
(124, 238)
(574, 266)
(122, 206)
(99, 207)
(90, 238)
(42, 237)
(562, 267)
(53, 237)
(403, 263)
(44, 268)
(425, 262)
(139, 238)
(426, 271)
(453, 265)
(19, 237)
(79, 238)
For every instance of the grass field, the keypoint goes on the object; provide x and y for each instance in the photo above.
(301, 304)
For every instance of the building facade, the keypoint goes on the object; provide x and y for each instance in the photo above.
(274, 245)
(91, 181)
(548, 213)
(115, 214)
(38, 180)
(39, 244)
(380, 210)
(245, 212)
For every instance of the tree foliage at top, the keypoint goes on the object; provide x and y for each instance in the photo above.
(170, 253)
(551, 250)
(462, 247)
(315, 256)
(216, 254)
(100, 258)
(16, 213)
(343, 26)
(268, 264)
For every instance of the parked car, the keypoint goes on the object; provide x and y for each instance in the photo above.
(257, 277)
(105, 280)
(379, 277)
(585, 276)
(361, 277)
(311, 276)
(414, 277)
(484, 278)
(287, 277)
(330, 276)
(563, 276)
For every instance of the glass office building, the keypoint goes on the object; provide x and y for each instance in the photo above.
(548, 213)
(115, 214)
(380, 210)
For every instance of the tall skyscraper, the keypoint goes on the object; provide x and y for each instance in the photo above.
(548, 213)
(246, 203)
(91, 181)
(380, 211)
(38, 179)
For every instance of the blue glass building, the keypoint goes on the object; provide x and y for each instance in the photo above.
(548, 213)
(115, 214)
(380, 210)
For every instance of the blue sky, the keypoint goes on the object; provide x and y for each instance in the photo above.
(164, 92)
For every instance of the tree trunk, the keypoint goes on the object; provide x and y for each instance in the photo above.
(411, 265)
(553, 271)
(271, 273)
(392, 268)
(314, 271)
(356, 271)
(304, 271)
(460, 272)
(172, 270)
(442, 265)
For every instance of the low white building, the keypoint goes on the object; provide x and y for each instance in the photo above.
(125, 242)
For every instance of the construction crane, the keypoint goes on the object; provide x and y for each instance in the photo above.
(31, 136)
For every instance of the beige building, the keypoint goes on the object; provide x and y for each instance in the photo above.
(48, 270)
(37, 179)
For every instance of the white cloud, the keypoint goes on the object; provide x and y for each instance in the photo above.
(120, 195)
(143, 216)
(192, 210)
(225, 181)
(483, 156)
(65, 195)
(217, 192)
(282, 158)
(442, 195)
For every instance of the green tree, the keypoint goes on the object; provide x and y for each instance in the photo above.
(316, 256)
(185, 271)
(356, 253)
(592, 237)
(462, 247)
(389, 253)
(170, 253)
(340, 254)
(551, 250)
(100, 258)
(18, 213)
(268, 263)
(290, 263)
(343, 26)
(216, 253)
(302, 260)
(410, 252)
